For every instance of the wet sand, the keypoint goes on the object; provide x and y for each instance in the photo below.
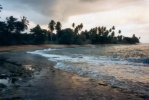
(48, 83)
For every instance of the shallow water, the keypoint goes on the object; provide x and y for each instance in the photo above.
(117, 65)
(4, 81)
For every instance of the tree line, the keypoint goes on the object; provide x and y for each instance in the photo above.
(12, 32)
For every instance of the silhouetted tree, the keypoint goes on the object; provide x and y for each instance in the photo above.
(78, 28)
(22, 25)
(11, 34)
(119, 31)
(58, 28)
(51, 26)
(3, 27)
(113, 28)
(81, 26)
(135, 39)
(11, 24)
(67, 37)
(39, 35)
(112, 34)
(110, 30)
(15, 26)
(73, 25)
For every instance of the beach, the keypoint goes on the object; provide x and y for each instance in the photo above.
(33, 77)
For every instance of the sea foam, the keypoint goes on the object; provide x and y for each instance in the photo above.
(112, 70)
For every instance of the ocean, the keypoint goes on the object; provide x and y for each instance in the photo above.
(121, 66)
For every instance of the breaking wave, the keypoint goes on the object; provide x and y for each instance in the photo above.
(116, 71)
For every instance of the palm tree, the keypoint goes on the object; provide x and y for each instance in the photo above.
(25, 23)
(51, 26)
(113, 28)
(22, 25)
(73, 25)
(11, 21)
(99, 31)
(112, 34)
(58, 26)
(81, 26)
(76, 30)
(119, 31)
(110, 30)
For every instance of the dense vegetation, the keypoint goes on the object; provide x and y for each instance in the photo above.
(12, 32)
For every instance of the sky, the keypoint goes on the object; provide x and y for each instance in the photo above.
(130, 16)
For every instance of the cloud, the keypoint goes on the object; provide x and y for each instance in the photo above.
(130, 15)
(114, 11)
(62, 9)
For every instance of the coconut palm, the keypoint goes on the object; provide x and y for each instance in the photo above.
(51, 27)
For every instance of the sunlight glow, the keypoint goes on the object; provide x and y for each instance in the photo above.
(129, 20)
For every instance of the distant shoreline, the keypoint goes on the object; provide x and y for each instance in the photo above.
(6, 48)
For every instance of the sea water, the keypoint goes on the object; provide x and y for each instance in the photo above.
(123, 66)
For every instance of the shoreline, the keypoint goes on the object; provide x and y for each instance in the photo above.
(32, 47)
(44, 46)
(56, 84)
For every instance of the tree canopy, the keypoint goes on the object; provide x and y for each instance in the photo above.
(12, 32)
